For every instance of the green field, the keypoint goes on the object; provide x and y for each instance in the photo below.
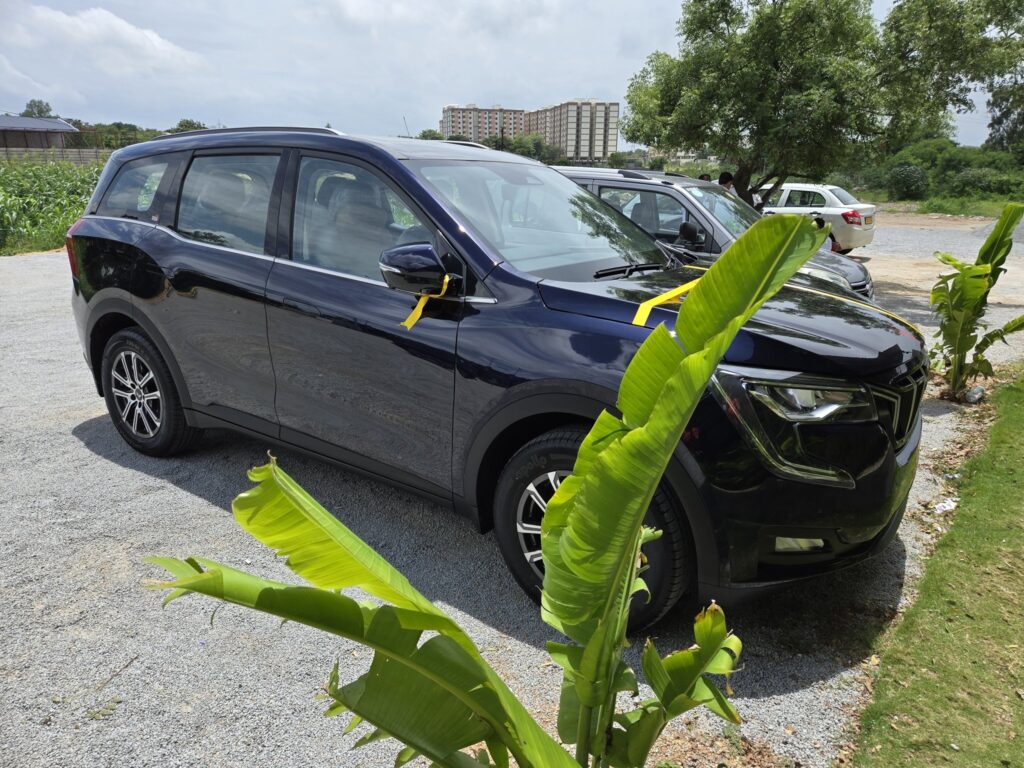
(39, 201)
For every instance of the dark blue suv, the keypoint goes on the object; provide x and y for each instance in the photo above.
(452, 319)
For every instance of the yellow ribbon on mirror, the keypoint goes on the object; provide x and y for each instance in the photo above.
(417, 311)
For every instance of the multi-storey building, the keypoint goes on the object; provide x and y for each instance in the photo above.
(478, 123)
(586, 130)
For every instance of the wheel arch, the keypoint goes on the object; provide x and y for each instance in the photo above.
(518, 422)
(116, 315)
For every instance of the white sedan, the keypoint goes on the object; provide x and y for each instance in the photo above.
(853, 222)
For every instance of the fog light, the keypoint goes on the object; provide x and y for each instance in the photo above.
(786, 544)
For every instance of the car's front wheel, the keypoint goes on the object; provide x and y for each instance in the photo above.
(528, 482)
(141, 398)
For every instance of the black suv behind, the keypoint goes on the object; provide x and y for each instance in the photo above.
(246, 279)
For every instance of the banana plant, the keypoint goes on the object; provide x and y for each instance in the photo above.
(960, 298)
(428, 685)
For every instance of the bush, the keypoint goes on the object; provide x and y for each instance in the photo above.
(975, 181)
(907, 182)
(39, 201)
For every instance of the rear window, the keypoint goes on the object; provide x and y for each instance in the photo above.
(225, 200)
(843, 196)
(133, 192)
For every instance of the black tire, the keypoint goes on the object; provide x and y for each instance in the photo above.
(672, 571)
(134, 373)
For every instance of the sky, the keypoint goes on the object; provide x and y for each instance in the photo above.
(364, 66)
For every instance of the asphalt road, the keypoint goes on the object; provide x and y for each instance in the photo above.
(94, 673)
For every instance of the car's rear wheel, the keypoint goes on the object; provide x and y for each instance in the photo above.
(141, 398)
(528, 482)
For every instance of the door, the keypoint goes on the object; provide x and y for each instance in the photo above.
(203, 286)
(352, 382)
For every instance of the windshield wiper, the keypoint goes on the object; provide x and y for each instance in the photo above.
(626, 270)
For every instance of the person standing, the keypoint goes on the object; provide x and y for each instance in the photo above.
(725, 180)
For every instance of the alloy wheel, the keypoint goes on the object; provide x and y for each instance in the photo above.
(136, 393)
(530, 511)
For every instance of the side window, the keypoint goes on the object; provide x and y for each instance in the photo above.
(804, 198)
(654, 212)
(345, 216)
(133, 191)
(773, 199)
(225, 200)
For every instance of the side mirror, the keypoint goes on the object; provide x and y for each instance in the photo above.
(415, 268)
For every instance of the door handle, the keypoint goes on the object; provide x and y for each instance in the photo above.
(300, 306)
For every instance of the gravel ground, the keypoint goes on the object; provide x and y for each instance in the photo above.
(94, 673)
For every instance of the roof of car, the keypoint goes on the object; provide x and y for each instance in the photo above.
(632, 174)
(319, 138)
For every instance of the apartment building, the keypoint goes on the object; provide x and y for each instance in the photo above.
(586, 130)
(478, 123)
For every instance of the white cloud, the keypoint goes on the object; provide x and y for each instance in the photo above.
(94, 39)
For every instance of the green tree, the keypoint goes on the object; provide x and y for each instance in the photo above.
(777, 88)
(37, 108)
(803, 87)
(186, 124)
(430, 134)
(458, 137)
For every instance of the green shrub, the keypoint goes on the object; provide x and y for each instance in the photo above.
(971, 182)
(960, 299)
(39, 201)
(907, 182)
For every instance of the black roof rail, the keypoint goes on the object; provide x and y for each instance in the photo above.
(632, 174)
(249, 129)
(676, 173)
(466, 143)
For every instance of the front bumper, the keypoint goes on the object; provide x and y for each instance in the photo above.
(750, 509)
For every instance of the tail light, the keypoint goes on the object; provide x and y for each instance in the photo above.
(69, 244)
(852, 217)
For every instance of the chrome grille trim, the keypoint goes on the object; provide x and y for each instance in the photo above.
(903, 395)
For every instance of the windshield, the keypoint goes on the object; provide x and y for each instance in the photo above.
(731, 212)
(843, 196)
(538, 220)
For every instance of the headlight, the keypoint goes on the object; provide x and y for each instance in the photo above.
(807, 403)
(824, 274)
(771, 407)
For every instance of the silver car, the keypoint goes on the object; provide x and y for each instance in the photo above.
(853, 222)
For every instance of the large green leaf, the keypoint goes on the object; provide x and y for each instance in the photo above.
(1000, 240)
(592, 525)
(461, 699)
(279, 513)
(436, 696)
(592, 528)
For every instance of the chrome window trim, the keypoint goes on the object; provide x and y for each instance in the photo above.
(122, 219)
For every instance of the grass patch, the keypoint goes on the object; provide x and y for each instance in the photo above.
(950, 690)
(963, 206)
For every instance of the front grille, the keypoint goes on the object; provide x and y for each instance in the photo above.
(865, 289)
(899, 401)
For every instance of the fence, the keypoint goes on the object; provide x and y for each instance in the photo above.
(76, 155)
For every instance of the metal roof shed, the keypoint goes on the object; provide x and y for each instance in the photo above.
(18, 132)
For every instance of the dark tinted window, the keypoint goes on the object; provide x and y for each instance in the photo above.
(133, 192)
(345, 216)
(225, 200)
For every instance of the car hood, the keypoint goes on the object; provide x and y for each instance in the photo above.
(854, 272)
(807, 326)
